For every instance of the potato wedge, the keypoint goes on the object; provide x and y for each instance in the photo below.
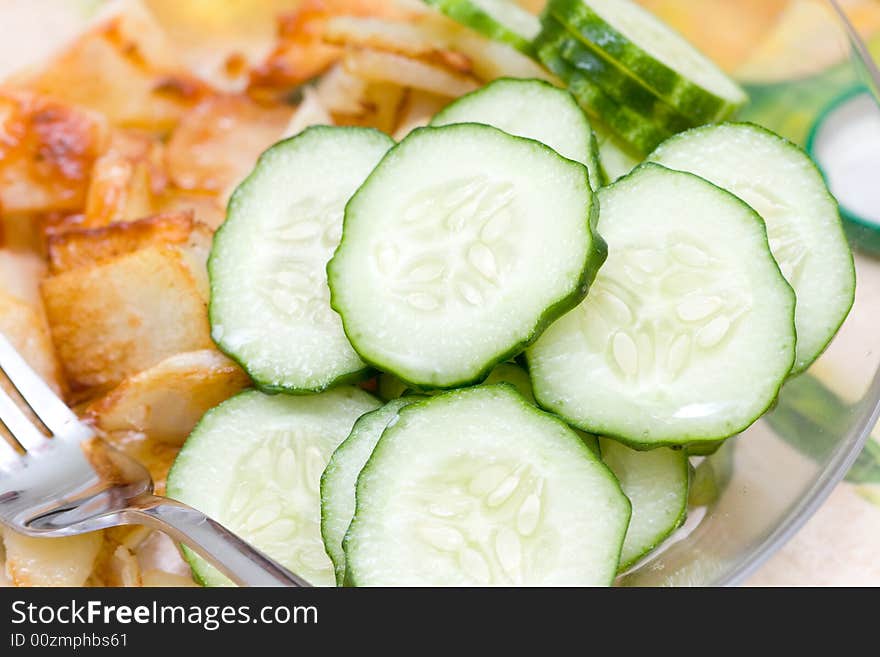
(25, 327)
(126, 180)
(20, 276)
(125, 67)
(208, 210)
(410, 39)
(301, 52)
(47, 150)
(66, 561)
(379, 66)
(87, 246)
(217, 142)
(417, 110)
(310, 112)
(116, 318)
(166, 401)
(379, 107)
(340, 92)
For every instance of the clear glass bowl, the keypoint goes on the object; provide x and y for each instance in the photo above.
(761, 487)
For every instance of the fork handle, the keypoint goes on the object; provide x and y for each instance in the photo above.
(239, 561)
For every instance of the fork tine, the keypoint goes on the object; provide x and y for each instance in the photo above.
(53, 412)
(19, 425)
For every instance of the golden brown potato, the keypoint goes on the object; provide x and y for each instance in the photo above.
(379, 107)
(380, 66)
(64, 561)
(114, 319)
(487, 59)
(20, 276)
(126, 180)
(310, 111)
(165, 402)
(25, 328)
(47, 150)
(218, 141)
(301, 53)
(125, 68)
(415, 39)
(78, 248)
(417, 110)
(207, 209)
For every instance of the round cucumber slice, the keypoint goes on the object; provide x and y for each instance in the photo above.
(649, 50)
(636, 129)
(478, 487)
(624, 89)
(843, 142)
(656, 484)
(459, 249)
(254, 464)
(390, 387)
(521, 108)
(688, 331)
(615, 157)
(270, 305)
(340, 477)
(783, 185)
(500, 20)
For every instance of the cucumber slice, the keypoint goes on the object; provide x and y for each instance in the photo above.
(656, 484)
(340, 476)
(443, 268)
(390, 387)
(651, 51)
(500, 20)
(623, 88)
(254, 464)
(688, 332)
(637, 130)
(615, 157)
(521, 108)
(479, 487)
(783, 185)
(270, 305)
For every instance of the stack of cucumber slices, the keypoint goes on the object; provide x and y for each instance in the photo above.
(512, 309)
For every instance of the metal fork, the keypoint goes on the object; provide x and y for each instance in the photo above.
(75, 483)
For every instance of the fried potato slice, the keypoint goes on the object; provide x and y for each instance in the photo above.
(126, 68)
(66, 561)
(378, 107)
(25, 328)
(20, 276)
(414, 39)
(379, 66)
(218, 141)
(417, 110)
(301, 52)
(488, 59)
(126, 180)
(208, 210)
(79, 248)
(119, 317)
(166, 401)
(47, 150)
(310, 112)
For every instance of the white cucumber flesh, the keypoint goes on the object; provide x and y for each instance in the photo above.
(477, 487)
(254, 464)
(783, 185)
(687, 333)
